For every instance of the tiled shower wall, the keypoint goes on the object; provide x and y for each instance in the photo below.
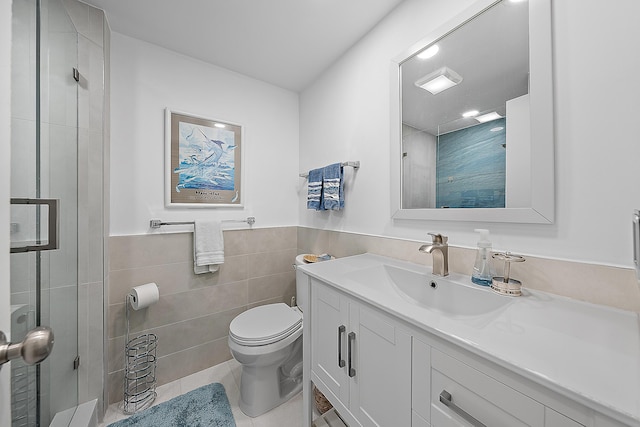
(192, 317)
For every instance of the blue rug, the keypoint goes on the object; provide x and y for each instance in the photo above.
(207, 406)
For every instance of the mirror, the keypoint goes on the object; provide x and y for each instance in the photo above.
(472, 118)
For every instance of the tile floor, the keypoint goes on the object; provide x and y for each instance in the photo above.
(288, 414)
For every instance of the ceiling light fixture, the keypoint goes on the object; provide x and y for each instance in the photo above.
(220, 125)
(429, 52)
(488, 117)
(441, 79)
(470, 113)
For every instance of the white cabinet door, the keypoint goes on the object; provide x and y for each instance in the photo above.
(381, 370)
(362, 357)
(418, 421)
(329, 320)
(421, 379)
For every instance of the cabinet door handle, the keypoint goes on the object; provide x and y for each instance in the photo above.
(447, 400)
(352, 338)
(341, 330)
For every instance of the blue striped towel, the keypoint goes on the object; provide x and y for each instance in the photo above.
(314, 195)
(333, 187)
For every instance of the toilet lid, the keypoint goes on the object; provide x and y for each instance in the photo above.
(265, 324)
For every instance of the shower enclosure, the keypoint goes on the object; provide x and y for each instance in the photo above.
(57, 184)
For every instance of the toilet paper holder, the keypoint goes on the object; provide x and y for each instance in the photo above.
(140, 366)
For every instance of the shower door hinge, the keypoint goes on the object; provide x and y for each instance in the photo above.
(76, 363)
(76, 75)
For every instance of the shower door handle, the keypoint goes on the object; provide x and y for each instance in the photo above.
(35, 347)
(53, 225)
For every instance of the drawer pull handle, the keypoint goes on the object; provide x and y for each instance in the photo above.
(352, 370)
(447, 400)
(341, 330)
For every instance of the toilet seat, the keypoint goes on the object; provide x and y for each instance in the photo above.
(265, 325)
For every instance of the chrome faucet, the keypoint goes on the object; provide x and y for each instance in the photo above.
(439, 249)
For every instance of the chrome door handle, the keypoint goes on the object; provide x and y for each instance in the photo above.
(35, 347)
(341, 330)
(447, 400)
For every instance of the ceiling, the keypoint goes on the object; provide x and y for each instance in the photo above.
(490, 53)
(287, 43)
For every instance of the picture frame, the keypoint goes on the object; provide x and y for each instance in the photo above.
(203, 161)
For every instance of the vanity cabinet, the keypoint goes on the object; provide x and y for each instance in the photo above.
(360, 359)
(379, 369)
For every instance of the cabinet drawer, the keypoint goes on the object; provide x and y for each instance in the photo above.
(482, 398)
(555, 419)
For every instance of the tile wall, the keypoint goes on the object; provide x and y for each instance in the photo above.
(610, 286)
(192, 317)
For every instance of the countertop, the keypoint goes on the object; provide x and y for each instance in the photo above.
(587, 352)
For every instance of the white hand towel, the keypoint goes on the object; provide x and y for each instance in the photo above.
(208, 247)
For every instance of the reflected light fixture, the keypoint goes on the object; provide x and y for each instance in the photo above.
(429, 52)
(470, 113)
(220, 125)
(488, 117)
(497, 129)
(441, 79)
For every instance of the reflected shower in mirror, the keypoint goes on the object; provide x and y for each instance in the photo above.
(472, 118)
(465, 112)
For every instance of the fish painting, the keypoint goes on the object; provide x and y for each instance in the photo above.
(206, 158)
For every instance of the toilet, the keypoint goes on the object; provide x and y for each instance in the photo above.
(267, 342)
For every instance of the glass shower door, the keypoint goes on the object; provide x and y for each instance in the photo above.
(44, 283)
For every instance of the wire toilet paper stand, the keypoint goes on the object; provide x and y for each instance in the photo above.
(139, 369)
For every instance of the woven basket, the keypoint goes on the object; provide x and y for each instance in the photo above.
(322, 404)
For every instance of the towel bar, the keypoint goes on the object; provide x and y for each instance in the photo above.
(354, 164)
(157, 223)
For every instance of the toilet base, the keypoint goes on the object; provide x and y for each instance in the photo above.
(263, 388)
(261, 396)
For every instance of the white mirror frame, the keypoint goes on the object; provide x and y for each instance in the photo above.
(542, 208)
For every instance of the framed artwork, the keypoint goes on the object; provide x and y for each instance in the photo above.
(203, 161)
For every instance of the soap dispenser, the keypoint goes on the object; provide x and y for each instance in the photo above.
(482, 274)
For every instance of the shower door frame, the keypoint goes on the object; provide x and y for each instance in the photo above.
(54, 149)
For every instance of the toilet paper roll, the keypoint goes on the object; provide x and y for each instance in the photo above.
(144, 295)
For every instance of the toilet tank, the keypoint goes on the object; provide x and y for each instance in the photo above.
(302, 285)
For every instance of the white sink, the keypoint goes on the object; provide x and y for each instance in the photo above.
(441, 294)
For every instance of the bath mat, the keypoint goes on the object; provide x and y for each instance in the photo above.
(207, 406)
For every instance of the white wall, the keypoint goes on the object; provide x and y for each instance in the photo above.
(345, 116)
(146, 79)
(5, 157)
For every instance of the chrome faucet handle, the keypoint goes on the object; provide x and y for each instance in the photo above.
(438, 238)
